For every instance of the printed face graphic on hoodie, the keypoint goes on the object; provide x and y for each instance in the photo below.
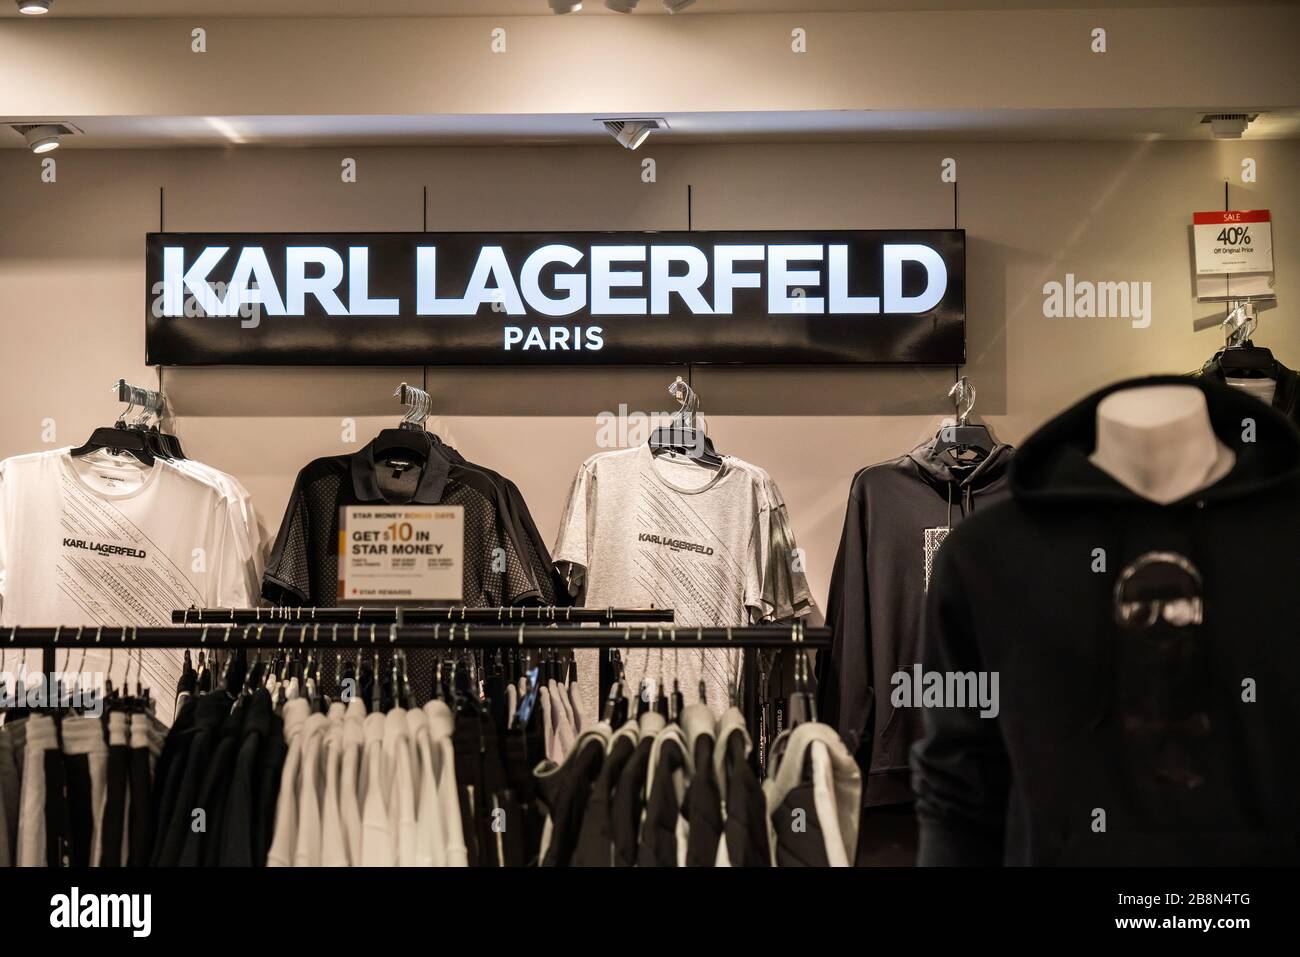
(1164, 677)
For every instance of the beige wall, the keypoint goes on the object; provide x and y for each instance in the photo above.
(71, 294)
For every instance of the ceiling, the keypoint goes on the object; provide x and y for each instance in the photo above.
(114, 132)
(452, 8)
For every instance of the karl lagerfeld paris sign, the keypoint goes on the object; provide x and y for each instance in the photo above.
(847, 296)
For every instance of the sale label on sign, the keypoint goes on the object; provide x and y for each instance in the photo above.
(401, 554)
(1233, 241)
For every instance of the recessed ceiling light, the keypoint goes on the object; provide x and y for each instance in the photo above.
(565, 6)
(42, 139)
(621, 6)
(633, 132)
(677, 6)
(34, 8)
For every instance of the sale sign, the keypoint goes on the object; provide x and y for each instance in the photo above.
(401, 554)
(1233, 241)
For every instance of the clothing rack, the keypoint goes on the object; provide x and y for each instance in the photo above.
(452, 636)
(379, 615)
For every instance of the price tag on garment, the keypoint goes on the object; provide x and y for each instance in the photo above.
(1233, 241)
(401, 553)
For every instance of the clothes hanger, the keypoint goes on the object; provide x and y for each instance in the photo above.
(681, 436)
(615, 701)
(409, 436)
(1240, 357)
(119, 438)
(969, 443)
(676, 702)
(803, 703)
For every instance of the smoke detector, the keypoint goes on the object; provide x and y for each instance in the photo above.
(632, 131)
(1229, 126)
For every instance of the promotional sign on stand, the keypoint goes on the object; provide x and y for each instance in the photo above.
(1234, 253)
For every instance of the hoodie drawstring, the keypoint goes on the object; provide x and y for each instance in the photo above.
(967, 502)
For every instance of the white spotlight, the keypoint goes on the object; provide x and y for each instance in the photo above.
(42, 139)
(34, 8)
(633, 132)
(565, 6)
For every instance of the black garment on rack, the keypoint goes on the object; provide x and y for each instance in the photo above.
(203, 848)
(596, 836)
(565, 792)
(141, 783)
(58, 814)
(703, 808)
(898, 514)
(745, 830)
(1286, 395)
(303, 567)
(629, 794)
(114, 823)
(239, 823)
(658, 843)
(528, 540)
(270, 762)
(210, 711)
(167, 774)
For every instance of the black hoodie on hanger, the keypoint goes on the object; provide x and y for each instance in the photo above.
(899, 512)
(1286, 396)
(1147, 662)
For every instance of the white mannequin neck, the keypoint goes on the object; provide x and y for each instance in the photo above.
(1157, 441)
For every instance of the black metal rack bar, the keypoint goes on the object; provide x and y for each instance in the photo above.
(381, 615)
(454, 635)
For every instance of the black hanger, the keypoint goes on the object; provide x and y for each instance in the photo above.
(969, 443)
(410, 441)
(1248, 361)
(962, 438)
(803, 703)
(688, 442)
(681, 436)
(118, 439)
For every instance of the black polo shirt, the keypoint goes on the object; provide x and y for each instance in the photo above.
(303, 568)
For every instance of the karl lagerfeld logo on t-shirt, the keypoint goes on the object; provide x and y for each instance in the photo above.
(103, 548)
(676, 544)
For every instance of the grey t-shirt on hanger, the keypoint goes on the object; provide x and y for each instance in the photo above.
(664, 532)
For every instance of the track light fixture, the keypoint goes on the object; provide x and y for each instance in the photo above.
(621, 6)
(34, 8)
(633, 132)
(677, 6)
(42, 139)
(565, 6)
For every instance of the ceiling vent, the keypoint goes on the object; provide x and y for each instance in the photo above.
(1229, 126)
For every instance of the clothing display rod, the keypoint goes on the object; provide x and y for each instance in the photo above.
(540, 614)
(454, 635)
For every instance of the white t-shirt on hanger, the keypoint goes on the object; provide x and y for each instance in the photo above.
(106, 540)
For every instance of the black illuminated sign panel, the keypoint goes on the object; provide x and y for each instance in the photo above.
(833, 296)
